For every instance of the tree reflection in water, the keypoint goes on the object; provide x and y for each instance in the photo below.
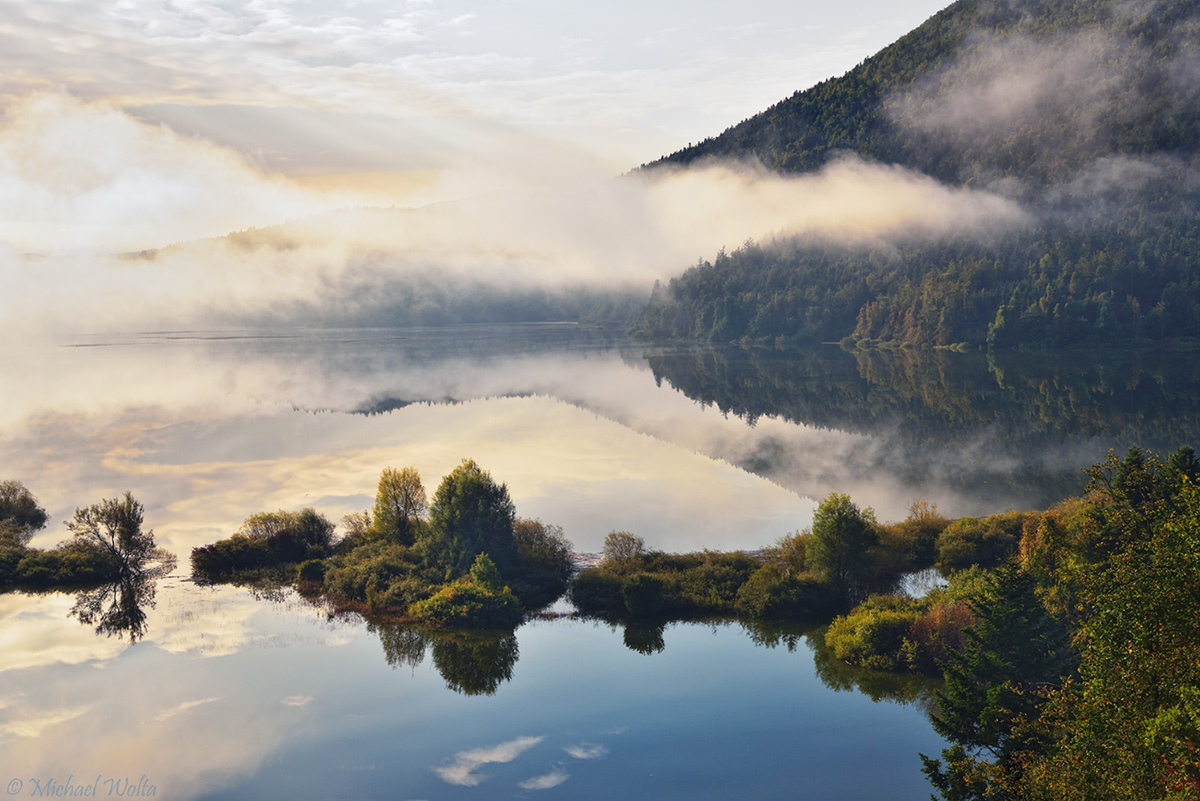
(876, 685)
(645, 638)
(119, 608)
(471, 662)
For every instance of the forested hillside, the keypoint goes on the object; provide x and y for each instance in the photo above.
(1086, 115)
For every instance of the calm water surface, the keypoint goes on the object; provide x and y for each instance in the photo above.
(232, 695)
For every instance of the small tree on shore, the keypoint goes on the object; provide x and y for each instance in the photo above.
(114, 526)
(840, 549)
(621, 546)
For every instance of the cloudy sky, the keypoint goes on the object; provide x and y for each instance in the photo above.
(390, 97)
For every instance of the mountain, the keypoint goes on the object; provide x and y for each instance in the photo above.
(1085, 114)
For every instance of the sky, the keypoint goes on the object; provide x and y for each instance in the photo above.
(398, 100)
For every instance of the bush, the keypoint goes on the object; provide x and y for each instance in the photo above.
(381, 574)
(984, 542)
(621, 546)
(643, 595)
(266, 540)
(711, 585)
(874, 635)
(476, 601)
(543, 565)
(597, 592)
(770, 594)
(311, 571)
(73, 562)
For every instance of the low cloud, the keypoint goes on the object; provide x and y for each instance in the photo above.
(76, 176)
(79, 181)
(462, 771)
(1002, 85)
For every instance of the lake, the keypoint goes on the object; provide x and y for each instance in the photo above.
(231, 694)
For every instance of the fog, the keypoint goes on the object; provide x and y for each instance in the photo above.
(113, 223)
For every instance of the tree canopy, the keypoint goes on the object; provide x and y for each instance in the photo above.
(400, 504)
(840, 549)
(470, 514)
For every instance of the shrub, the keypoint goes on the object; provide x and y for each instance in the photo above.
(543, 567)
(472, 602)
(875, 634)
(643, 595)
(985, 542)
(770, 594)
(713, 584)
(311, 571)
(621, 546)
(936, 634)
(266, 540)
(597, 592)
(382, 574)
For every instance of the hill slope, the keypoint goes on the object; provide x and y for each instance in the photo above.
(988, 89)
(1087, 114)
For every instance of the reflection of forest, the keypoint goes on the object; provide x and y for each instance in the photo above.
(934, 397)
(647, 637)
(1026, 407)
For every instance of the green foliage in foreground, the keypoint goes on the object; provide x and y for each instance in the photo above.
(807, 575)
(1115, 715)
(987, 542)
(903, 634)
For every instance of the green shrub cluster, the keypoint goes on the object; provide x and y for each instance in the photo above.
(985, 542)
(266, 540)
(408, 557)
(474, 601)
(107, 543)
(71, 562)
(707, 583)
(898, 633)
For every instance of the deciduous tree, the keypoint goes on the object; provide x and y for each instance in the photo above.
(400, 504)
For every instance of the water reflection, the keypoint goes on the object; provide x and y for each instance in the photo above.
(119, 607)
(645, 638)
(471, 662)
(876, 685)
(1004, 430)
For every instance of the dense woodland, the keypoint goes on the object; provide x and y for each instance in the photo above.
(1102, 159)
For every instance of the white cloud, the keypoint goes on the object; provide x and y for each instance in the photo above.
(586, 751)
(545, 781)
(86, 176)
(179, 709)
(462, 771)
(34, 726)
